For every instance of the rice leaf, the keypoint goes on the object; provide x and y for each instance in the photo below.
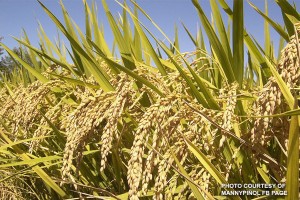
(238, 40)
(292, 183)
(33, 71)
(216, 44)
(221, 28)
(42, 174)
(121, 42)
(290, 15)
(31, 161)
(207, 164)
(197, 94)
(131, 73)
(101, 79)
(193, 187)
(147, 44)
(275, 25)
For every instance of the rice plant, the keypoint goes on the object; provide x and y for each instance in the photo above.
(147, 122)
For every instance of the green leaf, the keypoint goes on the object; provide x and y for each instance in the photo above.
(33, 71)
(189, 34)
(238, 40)
(137, 42)
(207, 164)
(31, 161)
(31, 53)
(225, 7)
(3, 147)
(192, 185)
(47, 179)
(131, 73)
(290, 15)
(263, 175)
(292, 183)
(42, 54)
(76, 81)
(87, 22)
(221, 28)
(250, 45)
(98, 34)
(123, 45)
(100, 78)
(176, 42)
(275, 25)
(146, 43)
(196, 93)
(216, 44)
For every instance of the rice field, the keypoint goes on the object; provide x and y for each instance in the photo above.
(140, 122)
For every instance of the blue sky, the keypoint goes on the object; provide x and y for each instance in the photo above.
(18, 14)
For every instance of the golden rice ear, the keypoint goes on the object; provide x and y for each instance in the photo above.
(228, 116)
(110, 132)
(83, 123)
(270, 100)
(145, 126)
(137, 150)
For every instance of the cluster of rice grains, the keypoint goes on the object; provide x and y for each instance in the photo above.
(95, 114)
(160, 135)
(23, 106)
(169, 119)
(159, 130)
(228, 116)
(270, 100)
(9, 190)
